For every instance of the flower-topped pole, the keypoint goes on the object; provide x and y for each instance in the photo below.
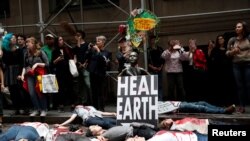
(139, 22)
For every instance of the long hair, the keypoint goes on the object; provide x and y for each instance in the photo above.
(245, 28)
(36, 50)
(217, 41)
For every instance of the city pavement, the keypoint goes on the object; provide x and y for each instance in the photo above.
(54, 116)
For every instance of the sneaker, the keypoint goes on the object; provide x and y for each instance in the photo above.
(34, 113)
(43, 113)
(230, 109)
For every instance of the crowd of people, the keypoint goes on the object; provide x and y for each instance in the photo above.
(194, 75)
(186, 129)
(24, 58)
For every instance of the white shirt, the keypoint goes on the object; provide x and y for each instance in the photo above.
(87, 111)
(173, 136)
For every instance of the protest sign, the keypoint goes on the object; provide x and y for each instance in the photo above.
(137, 99)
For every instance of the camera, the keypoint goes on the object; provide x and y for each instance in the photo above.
(91, 45)
(179, 48)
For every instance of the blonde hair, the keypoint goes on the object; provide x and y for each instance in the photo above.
(101, 37)
(36, 51)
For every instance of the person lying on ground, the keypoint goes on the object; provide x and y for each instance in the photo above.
(120, 133)
(195, 107)
(27, 131)
(55, 134)
(19, 132)
(191, 124)
(91, 116)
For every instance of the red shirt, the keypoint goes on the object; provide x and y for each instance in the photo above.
(199, 60)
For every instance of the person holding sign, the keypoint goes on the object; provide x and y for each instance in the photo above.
(91, 116)
(137, 94)
(134, 69)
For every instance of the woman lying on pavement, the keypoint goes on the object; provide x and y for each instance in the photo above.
(91, 116)
(37, 131)
(27, 131)
(19, 132)
(120, 133)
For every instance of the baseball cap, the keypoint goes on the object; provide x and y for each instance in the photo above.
(49, 35)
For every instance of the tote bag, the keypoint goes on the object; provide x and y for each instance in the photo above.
(72, 68)
(49, 83)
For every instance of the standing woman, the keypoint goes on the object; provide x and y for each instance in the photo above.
(98, 65)
(220, 74)
(12, 59)
(60, 59)
(239, 49)
(35, 61)
(173, 57)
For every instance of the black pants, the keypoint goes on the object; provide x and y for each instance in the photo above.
(144, 131)
(97, 88)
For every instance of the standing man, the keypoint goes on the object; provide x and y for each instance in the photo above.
(26, 102)
(82, 82)
(122, 54)
(48, 48)
(155, 63)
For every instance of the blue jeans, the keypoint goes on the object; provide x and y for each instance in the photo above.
(242, 79)
(39, 101)
(104, 122)
(17, 132)
(200, 107)
(201, 137)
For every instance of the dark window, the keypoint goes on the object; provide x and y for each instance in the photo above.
(56, 5)
(4, 9)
